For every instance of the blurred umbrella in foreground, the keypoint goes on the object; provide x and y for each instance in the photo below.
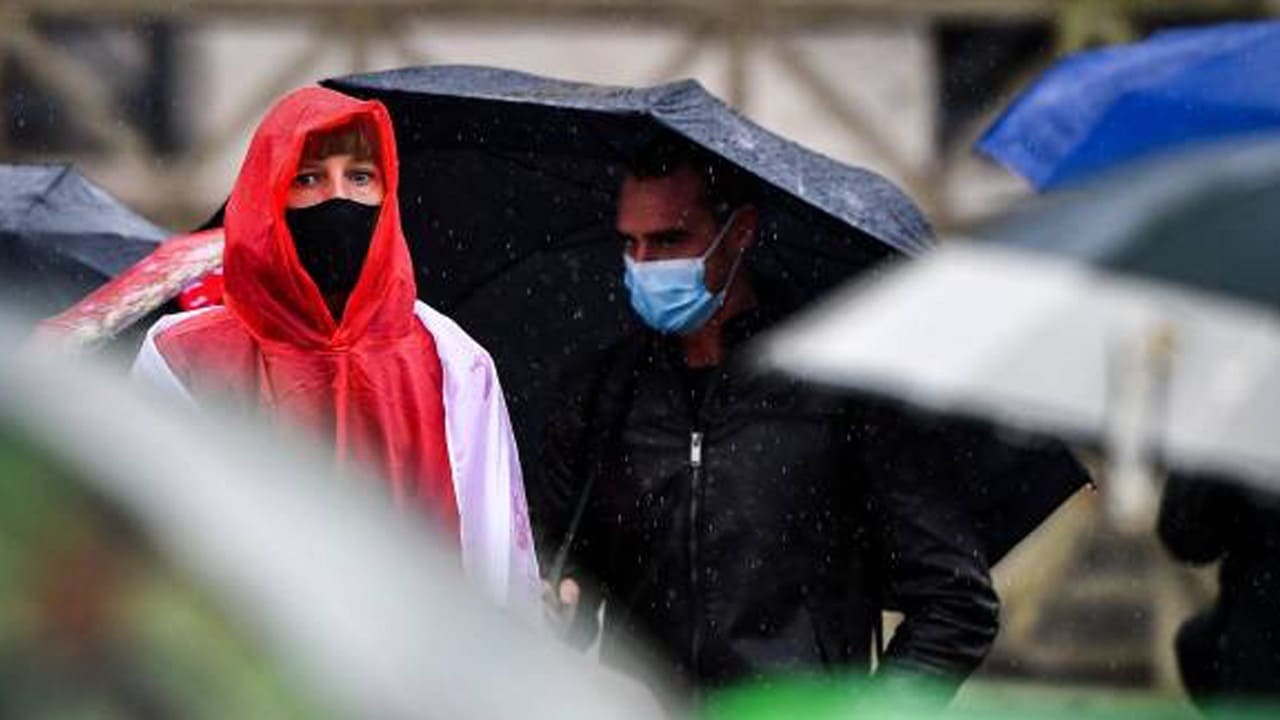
(1141, 313)
(62, 236)
(1100, 108)
(318, 600)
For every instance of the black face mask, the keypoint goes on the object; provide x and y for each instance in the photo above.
(332, 239)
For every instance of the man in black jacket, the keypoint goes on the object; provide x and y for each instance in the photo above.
(737, 524)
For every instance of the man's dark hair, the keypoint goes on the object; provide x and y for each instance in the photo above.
(725, 187)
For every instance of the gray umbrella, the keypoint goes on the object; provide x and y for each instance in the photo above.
(1141, 313)
(62, 236)
(1209, 221)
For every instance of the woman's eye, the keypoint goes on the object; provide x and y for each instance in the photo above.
(360, 177)
(305, 179)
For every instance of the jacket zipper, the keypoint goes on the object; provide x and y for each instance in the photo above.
(697, 470)
(695, 598)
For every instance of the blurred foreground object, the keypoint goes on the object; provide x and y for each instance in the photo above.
(1141, 314)
(1099, 109)
(848, 698)
(96, 623)
(320, 600)
(61, 236)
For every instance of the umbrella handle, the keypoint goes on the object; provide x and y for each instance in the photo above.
(561, 558)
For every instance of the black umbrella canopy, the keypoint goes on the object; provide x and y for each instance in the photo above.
(1207, 220)
(508, 184)
(61, 236)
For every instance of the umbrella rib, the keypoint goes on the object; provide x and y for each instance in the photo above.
(43, 198)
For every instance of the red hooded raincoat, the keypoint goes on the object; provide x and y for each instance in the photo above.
(373, 384)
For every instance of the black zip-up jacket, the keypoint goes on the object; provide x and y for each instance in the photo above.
(758, 525)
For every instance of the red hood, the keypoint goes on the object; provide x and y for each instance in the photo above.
(372, 384)
(266, 286)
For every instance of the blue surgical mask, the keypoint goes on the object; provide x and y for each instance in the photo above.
(671, 296)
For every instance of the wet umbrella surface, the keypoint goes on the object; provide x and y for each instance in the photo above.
(62, 236)
(508, 184)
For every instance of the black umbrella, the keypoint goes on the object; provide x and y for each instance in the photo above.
(61, 236)
(508, 184)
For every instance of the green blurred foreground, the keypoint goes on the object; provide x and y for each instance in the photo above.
(856, 698)
(94, 623)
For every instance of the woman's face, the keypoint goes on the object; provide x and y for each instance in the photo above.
(335, 176)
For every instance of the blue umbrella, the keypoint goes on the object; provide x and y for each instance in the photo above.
(1098, 109)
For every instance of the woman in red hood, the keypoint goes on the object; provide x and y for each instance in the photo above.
(321, 327)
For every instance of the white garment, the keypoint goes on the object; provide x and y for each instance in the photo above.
(497, 544)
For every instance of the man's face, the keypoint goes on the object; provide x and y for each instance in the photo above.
(335, 176)
(664, 219)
